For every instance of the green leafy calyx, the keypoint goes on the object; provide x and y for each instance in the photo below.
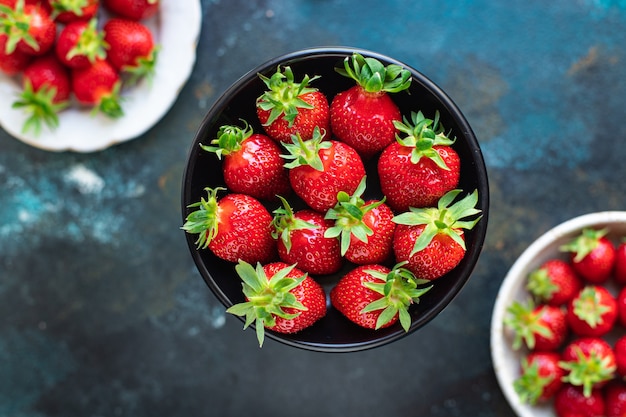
(306, 152)
(205, 220)
(229, 139)
(15, 23)
(584, 243)
(40, 106)
(285, 222)
(525, 322)
(373, 76)
(90, 43)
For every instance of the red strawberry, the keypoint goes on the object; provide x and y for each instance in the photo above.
(619, 349)
(592, 312)
(363, 116)
(555, 282)
(374, 297)
(98, 86)
(80, 44)
(236, 227)
(589, 363)
(321, 169)
(132, 9)
(592, 254)
(540, 377)
(29, 27)
(131, 47)
(419, 167)
(251, 162)
(615, 399)
(621, 306)
(12, 63)
(539, 328)
(431, 239)
(289, 108)
(46, 84)
(301, 240)
(619, 272)
(365, 228)
(569, 401)
(67, 11)
(279, 297)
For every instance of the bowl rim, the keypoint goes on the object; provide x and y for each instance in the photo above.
(480, 230)
(511, 283)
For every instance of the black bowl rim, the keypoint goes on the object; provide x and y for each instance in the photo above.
(480, 230)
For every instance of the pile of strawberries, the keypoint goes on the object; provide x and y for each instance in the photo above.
(64, 55)
(572, 328)
(294, 207)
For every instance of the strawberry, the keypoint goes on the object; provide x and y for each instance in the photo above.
(98, 86)
(46, 92)
(615, 399)
(279, 297)
(621, 306)
(365, 228)
(420, 166)
(301, 240)
(236, 227)
(363, 116)
(619, 349)
(131, 48)
(12, 63)
(29, 28)
(592, 255)
(539, 328)
(540, 377)
(431, 239)
(251, 162)
(555, 282)
(290, 108)
(132, 9)
(589, 363)
(320, 169)
(569, 401)
(592, 312)
(619, 272)
(374, 297)
(80, 44)
(67, 11)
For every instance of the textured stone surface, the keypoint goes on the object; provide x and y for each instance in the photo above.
(104, 314)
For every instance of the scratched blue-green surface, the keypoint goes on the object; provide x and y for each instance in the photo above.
(103, 314)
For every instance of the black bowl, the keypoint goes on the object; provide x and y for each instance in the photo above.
(334, 333)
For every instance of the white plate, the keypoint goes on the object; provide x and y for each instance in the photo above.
(506, 361)
(176, 29)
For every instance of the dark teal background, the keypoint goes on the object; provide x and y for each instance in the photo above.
(103, 314)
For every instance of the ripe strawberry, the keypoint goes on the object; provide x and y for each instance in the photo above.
(98, 86)
(592, 255)
(540, 377)
(621, 306)
(420, 166)
(619, 349)
(289, 108)
(615, 399)
(67, 11)
(12, 63)
(589, 363)
(363, 115)
(131, 48)
(132, 9)
(251, 162)
(46, 91)
(619, 272)
(80, 44)
(569, 401)
(301, 240)
(236, 227)
(431, 239)
(374, 297)
(279, 297)
(592, 312)
(365, 228)
(29, 27)
(539, 328)
(555, 282)
(321, 169)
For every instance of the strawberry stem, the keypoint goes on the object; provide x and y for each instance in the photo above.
(306, 152)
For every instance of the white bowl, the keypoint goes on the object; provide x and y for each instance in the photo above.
(506, 360)
(176, 29)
